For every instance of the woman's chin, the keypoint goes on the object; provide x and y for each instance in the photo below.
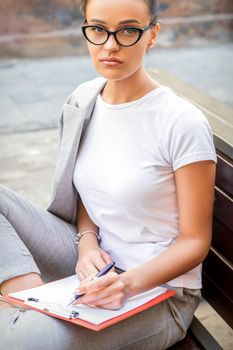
(112, 75)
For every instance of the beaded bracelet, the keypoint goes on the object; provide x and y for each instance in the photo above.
(80, 234)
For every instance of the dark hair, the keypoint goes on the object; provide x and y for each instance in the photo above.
(153, 6)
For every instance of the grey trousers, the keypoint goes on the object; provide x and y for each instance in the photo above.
(34, 240)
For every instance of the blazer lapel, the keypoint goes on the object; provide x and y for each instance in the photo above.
(74, 120)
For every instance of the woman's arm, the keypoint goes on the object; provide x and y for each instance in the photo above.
(84, 222)
(195, 196)
(91, 258)
(195, 193)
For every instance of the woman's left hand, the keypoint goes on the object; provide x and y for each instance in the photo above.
(107, 292)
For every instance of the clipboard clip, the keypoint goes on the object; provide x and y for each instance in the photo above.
(33, 299)
(72, 315)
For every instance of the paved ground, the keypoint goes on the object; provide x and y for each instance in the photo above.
(32, 93)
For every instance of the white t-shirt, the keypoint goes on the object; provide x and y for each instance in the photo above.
(125, 174)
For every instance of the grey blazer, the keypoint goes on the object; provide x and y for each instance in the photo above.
(75, 116)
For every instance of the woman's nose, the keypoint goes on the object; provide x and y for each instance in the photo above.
(111, 44)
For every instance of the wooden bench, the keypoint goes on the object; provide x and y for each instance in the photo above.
(218, 266)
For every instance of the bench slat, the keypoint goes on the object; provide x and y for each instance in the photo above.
(217, 285)
(224, 175)
(217, 299)
(223, 147)
(222, 240)
(223, 208)
(218, 269)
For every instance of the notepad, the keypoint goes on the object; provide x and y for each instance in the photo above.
(53, 298)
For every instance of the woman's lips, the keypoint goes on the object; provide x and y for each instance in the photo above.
(111, 61)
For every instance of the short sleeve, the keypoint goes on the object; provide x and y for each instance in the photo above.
(191, 140)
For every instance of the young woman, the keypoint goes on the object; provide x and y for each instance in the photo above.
(135, 177)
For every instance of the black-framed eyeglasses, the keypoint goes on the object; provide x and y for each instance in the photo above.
(126, 37)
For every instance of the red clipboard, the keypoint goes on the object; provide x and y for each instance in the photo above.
(169, 293)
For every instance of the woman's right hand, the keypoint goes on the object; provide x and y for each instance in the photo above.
(91, 258)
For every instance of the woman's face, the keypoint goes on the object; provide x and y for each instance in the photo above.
(114, 15)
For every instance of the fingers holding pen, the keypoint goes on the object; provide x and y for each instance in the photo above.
(92, 284)
(107, 292)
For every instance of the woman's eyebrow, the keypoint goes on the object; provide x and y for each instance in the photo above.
(127, 21)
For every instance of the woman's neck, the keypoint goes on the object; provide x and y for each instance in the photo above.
(129, 89)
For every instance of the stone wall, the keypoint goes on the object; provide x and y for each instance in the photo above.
(198, 22)
(180, 8)
(24, 16)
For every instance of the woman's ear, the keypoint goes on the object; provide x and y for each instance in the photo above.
(154, 34)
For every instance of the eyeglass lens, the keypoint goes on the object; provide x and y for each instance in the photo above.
(125, 36)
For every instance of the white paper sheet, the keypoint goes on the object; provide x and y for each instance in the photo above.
(56, 295)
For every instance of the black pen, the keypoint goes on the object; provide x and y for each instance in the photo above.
(103, 272)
